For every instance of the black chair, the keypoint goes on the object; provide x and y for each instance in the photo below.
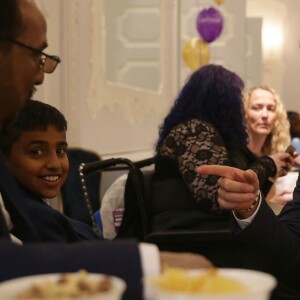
(211, 238)
(135, 223)
(74, 205)
(184, 228)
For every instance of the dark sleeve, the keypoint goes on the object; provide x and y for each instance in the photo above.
(83, 231)
(51, 225)
(277, 239)
(265, 169)
(118, 258)
(242, 158)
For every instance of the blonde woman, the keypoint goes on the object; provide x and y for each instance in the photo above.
(268, 129)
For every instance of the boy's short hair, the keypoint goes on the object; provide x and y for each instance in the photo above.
(34, 116)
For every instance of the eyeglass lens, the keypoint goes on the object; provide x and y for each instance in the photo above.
(49, 65)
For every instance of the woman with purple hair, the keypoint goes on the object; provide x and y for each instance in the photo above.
(205, 126)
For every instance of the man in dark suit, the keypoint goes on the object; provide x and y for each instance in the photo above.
(23, 63)
(275, 241)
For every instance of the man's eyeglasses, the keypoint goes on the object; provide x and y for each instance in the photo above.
(48, 63)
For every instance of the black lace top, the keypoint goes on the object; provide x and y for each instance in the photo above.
(195, 143)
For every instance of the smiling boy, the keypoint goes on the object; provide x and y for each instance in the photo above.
(36, 152)
(35, 149)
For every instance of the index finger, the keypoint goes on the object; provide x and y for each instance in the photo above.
(222, 171)
(234, 174)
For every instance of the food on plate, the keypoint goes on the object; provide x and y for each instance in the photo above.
(208, 282)
(68, 285)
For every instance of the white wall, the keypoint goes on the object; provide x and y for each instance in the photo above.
(108, 118)
(281, 70)
(113, 120)
(291, 56)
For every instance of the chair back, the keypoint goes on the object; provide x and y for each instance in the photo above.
(136, 218)
(74, 205)
(135, 221)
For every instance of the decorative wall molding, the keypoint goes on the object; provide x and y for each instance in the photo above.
(90, 103)
(134, 102)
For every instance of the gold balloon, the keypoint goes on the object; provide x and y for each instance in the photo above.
(195, 53)
(219, 2)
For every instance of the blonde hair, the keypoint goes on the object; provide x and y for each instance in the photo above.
(279, 137)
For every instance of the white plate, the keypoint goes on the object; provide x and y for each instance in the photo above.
(10, 288)
(259, 286)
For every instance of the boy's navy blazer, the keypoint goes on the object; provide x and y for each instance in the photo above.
(51, 225)
(15, 205)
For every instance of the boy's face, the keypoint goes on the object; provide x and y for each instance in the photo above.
(39, 162)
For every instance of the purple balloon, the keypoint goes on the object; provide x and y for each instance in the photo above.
(209, 24)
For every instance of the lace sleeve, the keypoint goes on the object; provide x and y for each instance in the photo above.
(192, 144)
